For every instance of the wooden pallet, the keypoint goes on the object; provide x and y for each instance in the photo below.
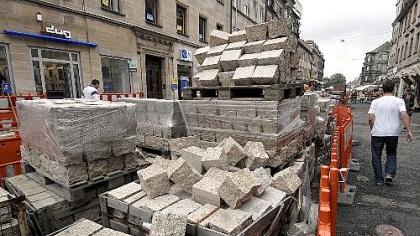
(79, 191)
(276, 92)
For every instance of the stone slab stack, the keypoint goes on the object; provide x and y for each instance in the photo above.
(158, 121)
(275, 124)
(195, 199)
(76, 141)
(262, 54)
(51, 211)
(87, 228)
(9, 224)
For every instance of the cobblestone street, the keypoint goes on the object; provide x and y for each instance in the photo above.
(398, 205)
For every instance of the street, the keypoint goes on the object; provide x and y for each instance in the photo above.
(398, 205)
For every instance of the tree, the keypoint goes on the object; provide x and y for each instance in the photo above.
(336, 78)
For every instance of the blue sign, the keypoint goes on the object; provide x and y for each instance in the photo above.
(6, 88)
(184, 82)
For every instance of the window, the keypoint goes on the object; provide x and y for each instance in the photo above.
(255, 9)
(415, 13)
(202, 27)
(406, 48)
(151, 11)
(111, 5)
(411, 47)
(181, 19)
(261, 15)
(245, 10)
(115, 75)
(416, 49)
(219, 27)
(4, 66)
(398, 55)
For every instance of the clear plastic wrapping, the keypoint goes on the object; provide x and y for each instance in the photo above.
(158, 117)
(65, 130)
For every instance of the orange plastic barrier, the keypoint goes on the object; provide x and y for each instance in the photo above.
(10, 158)
(112, 97)
(333, 177)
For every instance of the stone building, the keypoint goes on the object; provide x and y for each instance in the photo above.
(318, 61)
(311, 61)
(57, 47)
(404, 59)
(375, 64)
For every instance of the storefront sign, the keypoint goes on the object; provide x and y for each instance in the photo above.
(174, 84)
(58, 32)
(133, 64)
(184, 55)
(6, 88)
(184, 82)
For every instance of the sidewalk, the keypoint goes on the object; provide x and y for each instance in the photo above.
(398, 205)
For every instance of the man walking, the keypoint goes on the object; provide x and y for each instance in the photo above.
(385, 114)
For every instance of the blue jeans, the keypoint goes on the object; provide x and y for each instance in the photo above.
(377, 145)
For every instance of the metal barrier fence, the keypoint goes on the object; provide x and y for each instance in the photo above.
(334, 177)
(112, 97)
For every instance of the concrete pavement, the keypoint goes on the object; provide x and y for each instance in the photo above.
(397, 205)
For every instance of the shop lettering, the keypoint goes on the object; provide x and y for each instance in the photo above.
(52, 30)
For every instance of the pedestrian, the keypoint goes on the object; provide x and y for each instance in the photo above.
(91, 91)
(385, 114)
(409, 101)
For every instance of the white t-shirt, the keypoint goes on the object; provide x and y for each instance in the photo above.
(90, 93)
(387, 111)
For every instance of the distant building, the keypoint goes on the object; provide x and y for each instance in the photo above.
(375, 64)
(318, 61)
(404, 61)
(311, 61)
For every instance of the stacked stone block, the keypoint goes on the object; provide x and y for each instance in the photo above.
(270, 44)
(72, 141)
(274, 124)
(158, 121)
(225, 198)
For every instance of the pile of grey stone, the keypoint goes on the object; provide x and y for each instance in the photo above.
(46, 206)
(223, 188)
(73, 141)
(9, 225)
(88, 228)
(275, 124)
(158, 121)
(261, 54)
(315, 111)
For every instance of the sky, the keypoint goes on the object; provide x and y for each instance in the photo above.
(363, 25)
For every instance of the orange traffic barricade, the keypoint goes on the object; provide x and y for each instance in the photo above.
(112, 97)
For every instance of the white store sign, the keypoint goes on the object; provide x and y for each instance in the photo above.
(184, 55)
(59, 32)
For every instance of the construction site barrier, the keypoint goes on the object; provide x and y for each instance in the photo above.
(10, 158)
(334, 176)
(112, 97)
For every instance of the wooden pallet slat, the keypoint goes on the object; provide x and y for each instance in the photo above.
(276, 92)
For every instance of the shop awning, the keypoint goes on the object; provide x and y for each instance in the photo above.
(49, 38)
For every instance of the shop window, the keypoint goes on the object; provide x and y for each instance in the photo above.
(151, 11)
(181, 13)
(4, 66)
(202, 29)
(111, 5)
(115, 75)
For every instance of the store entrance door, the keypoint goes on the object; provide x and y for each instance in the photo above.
(56, 73)
(57, 80)
(154, 77)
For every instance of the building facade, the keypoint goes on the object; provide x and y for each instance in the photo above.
(404, 59)
(318, 61)
(311, 61)
(58, 47)
(375, 66)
